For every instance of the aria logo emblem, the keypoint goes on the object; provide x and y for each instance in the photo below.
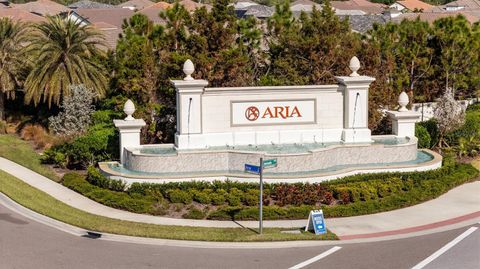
(252, 113)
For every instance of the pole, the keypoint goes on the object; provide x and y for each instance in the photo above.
(260, 218)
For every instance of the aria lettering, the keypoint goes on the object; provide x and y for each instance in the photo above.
(281, 112)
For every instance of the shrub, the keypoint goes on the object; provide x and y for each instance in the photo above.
(194, 213)
(233, 200)
(432, 129)
(179, 196)
(201, 197)
(217, 198)
(3, 127)
(95, 177)
(424, 139)
(38, 135)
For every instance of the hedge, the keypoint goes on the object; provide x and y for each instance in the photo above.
(350, 196)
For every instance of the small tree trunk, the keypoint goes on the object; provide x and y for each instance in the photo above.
(2, 106)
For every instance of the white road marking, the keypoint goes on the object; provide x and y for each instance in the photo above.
(316, 258)
(448, 246)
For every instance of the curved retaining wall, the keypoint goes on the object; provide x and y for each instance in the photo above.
(233, 160)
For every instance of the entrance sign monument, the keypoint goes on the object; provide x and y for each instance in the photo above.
(317, 132)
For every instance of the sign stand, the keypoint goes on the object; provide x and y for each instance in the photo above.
(316, 222)
(258, 170)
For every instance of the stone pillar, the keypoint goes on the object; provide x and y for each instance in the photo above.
(129, 129)
(403, 120)
(355, 102)
(189, 108)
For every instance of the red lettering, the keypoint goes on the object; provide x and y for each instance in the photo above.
(297, 112)
(279, 111)
(267, 112)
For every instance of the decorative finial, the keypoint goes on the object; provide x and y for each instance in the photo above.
(188, 69)
(354, 66)
(403, 102)
(129, 109)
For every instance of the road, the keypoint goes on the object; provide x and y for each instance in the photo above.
(27, 244)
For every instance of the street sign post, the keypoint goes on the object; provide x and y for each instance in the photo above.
(258, 170)
(271, 163)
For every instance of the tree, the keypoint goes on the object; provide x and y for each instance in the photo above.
(77, 110)
(64, 53)
(12, 58)
(449, 115)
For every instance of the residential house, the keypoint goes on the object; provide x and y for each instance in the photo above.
(112, 16)
(411, 6)
(304, 5)
(459, 5)
(192, 5)
(364, 23)
(136, 4)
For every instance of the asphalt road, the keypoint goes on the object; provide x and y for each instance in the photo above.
(27, 244)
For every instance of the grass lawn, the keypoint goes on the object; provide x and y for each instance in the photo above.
(45, 204)
(21, 152)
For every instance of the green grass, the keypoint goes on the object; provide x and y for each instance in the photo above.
(21, 152)
(45, 204)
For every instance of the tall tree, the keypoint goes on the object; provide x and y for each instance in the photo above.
(13, 36)
(64, 53)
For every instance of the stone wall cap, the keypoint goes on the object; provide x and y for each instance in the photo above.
(344, 80)
(189, 83)
(404, 115)
(125, 124)
(272, 88)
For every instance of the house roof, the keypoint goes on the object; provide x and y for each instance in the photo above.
(415, 5)
(113, 16)
(110, 33)
(153, 11)
(430, 17)
(259, 11)
(42, 7)
(89, 4)
(137, 4)
(468, 5)
(363, 5)
(363, 23)
(244, 4)
(20, 15)
(304, 5)
(192, 5)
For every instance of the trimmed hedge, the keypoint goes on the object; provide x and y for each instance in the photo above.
(350, 196)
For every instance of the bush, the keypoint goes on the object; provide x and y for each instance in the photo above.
(194, 213)
(95, 177)
(38, 135)
(424, 139)
(179, 196)
(217, 198)
(98, 144)
(233, 200)
(3, 127)
(201, 197)
(432, 129)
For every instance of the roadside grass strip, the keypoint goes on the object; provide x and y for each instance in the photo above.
(45, 204)
(316, 258)
(445, 248)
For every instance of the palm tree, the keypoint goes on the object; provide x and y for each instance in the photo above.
(12, 54)
(64, 53)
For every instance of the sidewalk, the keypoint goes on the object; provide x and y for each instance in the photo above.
(457, 205)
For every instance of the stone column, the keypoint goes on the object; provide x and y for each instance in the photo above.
(129, 129)
(403, 120)
(189, 108)
(355, 105)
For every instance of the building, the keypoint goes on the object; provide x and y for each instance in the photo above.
(20, 15)
(43, 8)
(411, 6)
(88, 4)
(153, 11)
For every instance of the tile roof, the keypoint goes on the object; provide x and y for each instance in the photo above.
(192, 5)
(363, 5)
(110, 33)
(363, 23)
(153, 11)
(113, 16)
(430, 17)
(20, 15)
(89, 4)
(42, 7)
(304, 5)
(259, 11)
(415, 4)
(137, 4)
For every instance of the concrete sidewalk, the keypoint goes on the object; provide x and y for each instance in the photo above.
(457, 205)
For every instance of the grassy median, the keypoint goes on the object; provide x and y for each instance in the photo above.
(45, 204)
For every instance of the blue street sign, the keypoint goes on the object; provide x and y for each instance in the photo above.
(252, 169)
(316, 220)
